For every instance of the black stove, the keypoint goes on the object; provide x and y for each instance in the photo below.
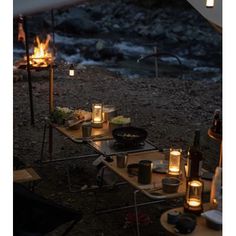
(111, 147)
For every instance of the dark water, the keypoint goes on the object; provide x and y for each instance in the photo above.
(128, 66)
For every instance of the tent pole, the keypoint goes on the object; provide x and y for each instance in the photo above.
(51, 89)
(53, 32)
(51, 108)
(29, 72)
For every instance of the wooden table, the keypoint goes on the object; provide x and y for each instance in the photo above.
(76, 135)
(151, 190)
(200, 230)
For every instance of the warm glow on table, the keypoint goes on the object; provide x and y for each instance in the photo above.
(194, 202)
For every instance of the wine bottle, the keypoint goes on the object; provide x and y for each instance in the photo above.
(195, 157)
(217, 123)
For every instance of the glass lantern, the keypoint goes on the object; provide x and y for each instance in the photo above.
(97, 118)
(174, 162)
(210, 3)
(193, 199)
(71, 70)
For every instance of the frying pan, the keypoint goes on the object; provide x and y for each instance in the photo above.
(129, 135)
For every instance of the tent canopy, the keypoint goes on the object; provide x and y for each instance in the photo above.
(26, 7)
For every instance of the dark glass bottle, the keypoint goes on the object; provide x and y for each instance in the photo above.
(195, 157)
(217, 123)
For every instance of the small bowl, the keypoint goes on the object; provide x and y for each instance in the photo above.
(213, 219)
(170, 184)
(211, 224)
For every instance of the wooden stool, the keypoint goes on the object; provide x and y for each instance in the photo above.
(200, 230)
(26, 176)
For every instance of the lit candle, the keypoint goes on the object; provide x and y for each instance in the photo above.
(210, 3)
(193, 202)
(174, 162)
(97, 115)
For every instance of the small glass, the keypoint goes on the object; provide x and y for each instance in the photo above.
(86, 130)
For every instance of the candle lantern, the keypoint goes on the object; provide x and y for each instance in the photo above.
(210, 3)
(193, 199)
(97, 119)
(174, 162)
(71, 70)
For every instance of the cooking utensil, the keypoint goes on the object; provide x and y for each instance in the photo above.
(130, 135)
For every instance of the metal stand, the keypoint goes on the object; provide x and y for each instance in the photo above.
(29, 72)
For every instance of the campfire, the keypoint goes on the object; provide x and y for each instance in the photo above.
(41, 57)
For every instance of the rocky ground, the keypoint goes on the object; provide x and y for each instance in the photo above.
(169, 109)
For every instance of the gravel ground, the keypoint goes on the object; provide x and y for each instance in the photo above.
(168, 108)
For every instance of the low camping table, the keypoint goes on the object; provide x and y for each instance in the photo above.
(153, 190)
(76, 137)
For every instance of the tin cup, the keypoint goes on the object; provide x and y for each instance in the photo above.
(86, 130)
(121, 160)
(145, 172)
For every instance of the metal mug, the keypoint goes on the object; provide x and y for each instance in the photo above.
(145, 172)
(121, 160)
(86, 130)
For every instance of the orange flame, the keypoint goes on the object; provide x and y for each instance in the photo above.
(41, 56)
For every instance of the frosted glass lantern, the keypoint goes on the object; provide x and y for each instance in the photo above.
(174, 162)
(210, 3)
(193, 200)
(97, 118)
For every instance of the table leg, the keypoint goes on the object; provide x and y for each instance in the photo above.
(50, 142)
(43, 142)
(136, 211)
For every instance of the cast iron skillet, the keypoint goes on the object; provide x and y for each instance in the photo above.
(129, 136)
